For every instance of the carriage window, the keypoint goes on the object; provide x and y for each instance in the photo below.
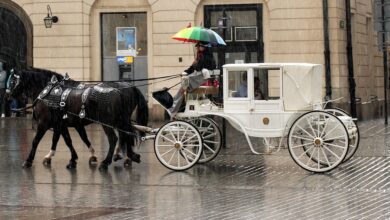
(238, 84)
(267, 84)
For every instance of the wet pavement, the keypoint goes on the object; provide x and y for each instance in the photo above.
(235, 185)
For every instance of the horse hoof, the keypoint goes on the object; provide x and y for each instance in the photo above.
(71, 165)
(117, 157)
(127, 163)
(46, 161)
(103, 167)
(27, 164)
(92, 160)
(136, 158)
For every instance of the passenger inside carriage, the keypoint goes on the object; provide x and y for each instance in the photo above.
(242, 90)
(257, 90)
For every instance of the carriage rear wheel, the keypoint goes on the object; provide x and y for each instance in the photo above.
(178, 145)
(212, 137)
(354, 139)
(318, 141)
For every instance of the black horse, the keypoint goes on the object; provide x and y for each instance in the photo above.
(32, 82)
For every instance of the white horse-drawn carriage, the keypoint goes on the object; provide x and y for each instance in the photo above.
(266, 100)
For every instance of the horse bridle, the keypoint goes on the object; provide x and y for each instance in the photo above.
(8, 90)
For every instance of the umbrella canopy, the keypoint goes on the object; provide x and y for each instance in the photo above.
(196, 34)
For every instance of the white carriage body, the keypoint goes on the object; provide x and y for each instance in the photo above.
(267, 100)
(300, 90)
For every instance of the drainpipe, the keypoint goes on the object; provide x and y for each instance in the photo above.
(328, 84)
(351, 79)
(385, 73)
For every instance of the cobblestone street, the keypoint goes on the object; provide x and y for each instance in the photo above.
(235, 185)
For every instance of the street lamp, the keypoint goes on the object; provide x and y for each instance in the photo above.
(50, 19)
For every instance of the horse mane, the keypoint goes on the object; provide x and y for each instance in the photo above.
(38, 74)
(36, 79)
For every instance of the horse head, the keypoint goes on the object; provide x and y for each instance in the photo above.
(14, 84)
(30, 82)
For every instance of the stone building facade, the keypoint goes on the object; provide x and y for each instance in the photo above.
(82, 42)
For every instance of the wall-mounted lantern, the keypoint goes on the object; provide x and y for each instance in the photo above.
(224, 21)
(50, 19)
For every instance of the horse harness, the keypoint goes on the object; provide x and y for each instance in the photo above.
(54, 96)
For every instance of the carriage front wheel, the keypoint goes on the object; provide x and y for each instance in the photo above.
(212, 137)
(318, 141)
(178, 145)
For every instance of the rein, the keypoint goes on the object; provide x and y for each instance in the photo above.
(134, 80)
(165, 78)
(104, 124)
(20, 110)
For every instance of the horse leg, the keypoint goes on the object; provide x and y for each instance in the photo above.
(130, 141)
(123, 145)
(130, 153)
(112, 139)
(84, 137)
(73, 161)
(118, 150)
(38, 137)
(47, 158)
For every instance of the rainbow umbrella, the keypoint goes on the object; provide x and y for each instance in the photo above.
(196, 34)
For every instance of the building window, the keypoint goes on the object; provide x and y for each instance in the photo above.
(242, 25)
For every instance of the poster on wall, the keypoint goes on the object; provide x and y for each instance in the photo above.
(126, 41)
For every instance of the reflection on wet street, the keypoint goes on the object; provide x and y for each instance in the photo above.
(235, 185)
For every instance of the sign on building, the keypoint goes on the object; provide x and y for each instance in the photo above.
(126, 41)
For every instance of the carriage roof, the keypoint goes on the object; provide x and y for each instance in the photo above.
(301, 83)
(268, 65)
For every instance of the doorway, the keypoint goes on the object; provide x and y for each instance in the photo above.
(15, 37)
(124, 47)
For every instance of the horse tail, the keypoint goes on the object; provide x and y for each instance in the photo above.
(142, 108)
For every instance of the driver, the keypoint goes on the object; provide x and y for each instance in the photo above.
(203, 62)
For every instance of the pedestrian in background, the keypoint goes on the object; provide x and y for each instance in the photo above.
(3, 82)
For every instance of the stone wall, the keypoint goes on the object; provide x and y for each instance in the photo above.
(293, 32)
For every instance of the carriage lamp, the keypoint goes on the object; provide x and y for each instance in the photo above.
(50, 19)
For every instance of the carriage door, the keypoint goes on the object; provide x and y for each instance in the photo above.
(243, 33)
(266, 103)
(124, 47)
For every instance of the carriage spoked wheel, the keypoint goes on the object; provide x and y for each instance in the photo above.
(178, 145)
(354, 139)
(318, 141)
(212, 137)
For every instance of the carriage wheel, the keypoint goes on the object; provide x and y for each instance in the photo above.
(178, 145)
(318, 141)
(354, 139)
(211, 135)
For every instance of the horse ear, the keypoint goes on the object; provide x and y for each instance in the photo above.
(66, 77)
(53, 80)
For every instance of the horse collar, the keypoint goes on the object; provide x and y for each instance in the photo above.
(64, 96)
(45, 91)
(80, 86)
(101, 89)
